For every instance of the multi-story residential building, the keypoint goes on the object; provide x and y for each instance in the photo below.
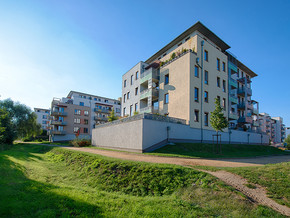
(78, 114)
(43, 116)
(184, 78)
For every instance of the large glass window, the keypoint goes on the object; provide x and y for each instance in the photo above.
(218, 82)
(205, 77)
(206, 119)
(166, 79)
(166, 98)
(224, 85)
(196, 94)
(196, 73)
(196, 115)
(218, 64)
(206, 96)
(205, 55)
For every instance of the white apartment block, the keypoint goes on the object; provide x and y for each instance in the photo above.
(183, 79)
(43, 116)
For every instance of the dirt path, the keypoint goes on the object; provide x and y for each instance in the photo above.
(239, 162)
(258, 194)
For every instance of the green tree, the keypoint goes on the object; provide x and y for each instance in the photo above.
(217, 119)
(22, 119)
(112, 116)
(287, 140)
(7, 134)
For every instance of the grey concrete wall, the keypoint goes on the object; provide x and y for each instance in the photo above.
(139, 135)
(123, 136)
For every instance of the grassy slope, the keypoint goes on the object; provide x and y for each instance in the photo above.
(36, 184)
(197, 150)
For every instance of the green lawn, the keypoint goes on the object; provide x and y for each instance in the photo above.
(39, 181)
(199, 150)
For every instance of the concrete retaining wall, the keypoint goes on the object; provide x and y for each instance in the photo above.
(146, 134)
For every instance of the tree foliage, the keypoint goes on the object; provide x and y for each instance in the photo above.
(112, 116)
(217, 119)
(20, 121)
(287, 140)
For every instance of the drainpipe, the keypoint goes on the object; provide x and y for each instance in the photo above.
(201, 100)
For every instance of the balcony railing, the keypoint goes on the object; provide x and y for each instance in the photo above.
(243, 91)
(151, 73)
(245, 120)
(58, 123)
(149, 92)
(103, 110)
(233, 83)
(232, 67)
(58, 113)
(233, 99)
(101, 118)
(241, 106)
(233, 116)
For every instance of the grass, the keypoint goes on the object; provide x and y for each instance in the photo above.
(199, 150)
(39, 181)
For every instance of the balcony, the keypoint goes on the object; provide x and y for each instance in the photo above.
(255, 111)
(256, 123)
(103, 110)
(233, 99)
(241, 106)
(245, 91)
(245, 120)
(97, 118)
(234, 68)
(154, 93)
(58, 113)
(58, 123)
(57, 132)
(233, 83)
(151, 73)
(233, 116)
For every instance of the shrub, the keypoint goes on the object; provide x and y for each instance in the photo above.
(80, 142)
(173, 55)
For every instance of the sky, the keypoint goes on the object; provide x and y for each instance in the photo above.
(50, 47)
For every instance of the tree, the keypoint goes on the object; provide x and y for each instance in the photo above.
(217, 119)
(22, 119)
(7, 134)
(287, 140)
(112, 116)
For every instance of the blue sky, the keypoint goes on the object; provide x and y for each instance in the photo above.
(50, 47)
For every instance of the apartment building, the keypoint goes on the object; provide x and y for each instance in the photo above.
(43, 116)
(183, 79)
(78, 114)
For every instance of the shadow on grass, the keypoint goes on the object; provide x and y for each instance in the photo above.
(22, 197)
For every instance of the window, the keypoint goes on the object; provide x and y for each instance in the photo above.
(179, 44)
(196, 94)
(206, 96)
(124, 111)
(95, 99)
(164, 55)
(124, 98)
(131, 110)
(136, 107)
(205, 55)
(44, 122)
(206, 77)
(137, 75)
(77, 112)
(128, 95)
(224, 66)
(82, 104)
(196, 71)
(44, 116)
(76, 129)
(86, 113)
(219, 99)
(218, 64)
(224, 86)
(131, 79)
(224, 103)
(166, 79)
(166, 98)
(196, 115)
(86, 121)
(205, 118)
(218, 82)
(77, 120)
(86, 130)
(107, 101)
(125, 83)
(136, 91)
(187, 38)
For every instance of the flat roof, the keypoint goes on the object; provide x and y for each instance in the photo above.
(246, 69)
(200, 28)
(71, 92)
(38, 108)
